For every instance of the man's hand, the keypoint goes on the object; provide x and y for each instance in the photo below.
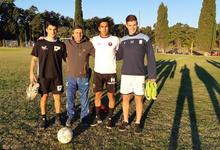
(152, 80)
(41, 38)
(32, 78)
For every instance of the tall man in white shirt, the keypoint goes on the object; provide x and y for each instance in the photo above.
(105, 69)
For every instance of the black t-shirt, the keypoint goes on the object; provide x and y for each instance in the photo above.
(50, 55)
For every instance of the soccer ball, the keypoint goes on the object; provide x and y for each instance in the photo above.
(65, 135)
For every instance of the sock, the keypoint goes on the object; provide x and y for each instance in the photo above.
(97, 111)
(43, 116)
(110, 112)
(58, 115)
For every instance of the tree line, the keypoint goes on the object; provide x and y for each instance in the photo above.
(204, 38)
(26, 25)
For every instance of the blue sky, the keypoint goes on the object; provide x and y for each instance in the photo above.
(184, 11)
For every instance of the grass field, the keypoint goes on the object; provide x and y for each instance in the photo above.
(186, 114)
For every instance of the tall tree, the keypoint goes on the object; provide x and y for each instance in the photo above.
(7, 20)
(91, 26)
(30, 15)
(182, 35)
(206, 37)
(218, 35)
(78, 19)
(161, 28)
(37, 26)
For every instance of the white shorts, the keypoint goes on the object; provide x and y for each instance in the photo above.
(132, 84)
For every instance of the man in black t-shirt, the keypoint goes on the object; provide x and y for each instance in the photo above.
(49, 53)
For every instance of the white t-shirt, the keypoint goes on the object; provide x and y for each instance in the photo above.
(105, 50)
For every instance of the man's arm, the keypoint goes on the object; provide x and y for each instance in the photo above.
(34, 61)
(92, 50)
(64, 52)
(119, 52)
(151, 62)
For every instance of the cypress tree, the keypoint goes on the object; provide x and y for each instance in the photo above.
(78, 19)
(161, 28)
(206, 36)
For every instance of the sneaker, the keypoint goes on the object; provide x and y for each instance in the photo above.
(84, 122)
(124, 126)
(92, 109)
(96, 121)
(57, 121)
(69, 121)
(43, 123)
(110, 123)
(137, 128)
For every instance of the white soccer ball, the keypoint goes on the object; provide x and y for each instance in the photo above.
(65, 135)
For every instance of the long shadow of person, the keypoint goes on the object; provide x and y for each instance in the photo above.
(214, 63)
(165, 69)
(211, 85)
(185, 93)
(119, 117)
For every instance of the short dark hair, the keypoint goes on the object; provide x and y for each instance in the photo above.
(51, 22)
(131, 18)
(104, 20)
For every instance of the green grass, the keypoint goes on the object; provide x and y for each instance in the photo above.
(186, 114)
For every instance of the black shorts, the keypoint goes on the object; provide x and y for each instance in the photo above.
(107, 80)
(50, 85)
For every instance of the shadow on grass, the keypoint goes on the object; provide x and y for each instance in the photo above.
(145, 114)
(214, 63)
(211, 85)
(105, 101)
(80, 128)
(165, 69)
(185, 93)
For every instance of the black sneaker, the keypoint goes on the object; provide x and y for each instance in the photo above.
(57, 121)
(43, 123)
(110, 123)
(96, 121)
(124, 126)
(137, 128)
(84, 122)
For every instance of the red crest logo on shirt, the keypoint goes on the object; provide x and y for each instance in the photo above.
(110, 44)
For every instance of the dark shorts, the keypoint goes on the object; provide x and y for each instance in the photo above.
(50, 85)
(104, 80)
